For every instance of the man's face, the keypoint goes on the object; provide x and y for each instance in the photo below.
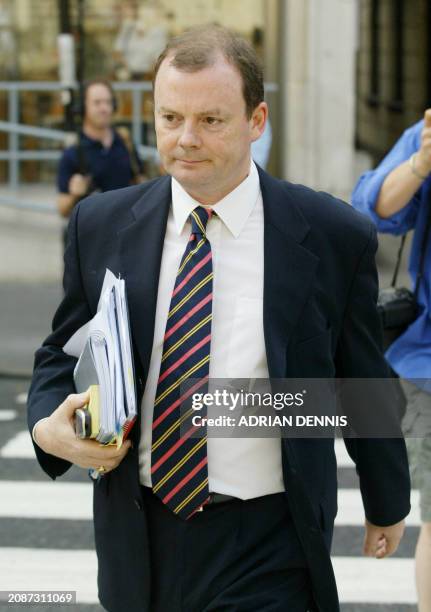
(203, 133)
(98, 106)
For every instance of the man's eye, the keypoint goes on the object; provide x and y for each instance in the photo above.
(169, 118)
(212, 120)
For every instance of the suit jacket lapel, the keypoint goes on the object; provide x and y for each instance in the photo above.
(289, 269)
(141, 247)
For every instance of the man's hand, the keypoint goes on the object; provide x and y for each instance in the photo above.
(56, 436)
(382, 542)
(79, 185)
(423, 158)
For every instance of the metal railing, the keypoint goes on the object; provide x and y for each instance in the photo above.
(14, 155)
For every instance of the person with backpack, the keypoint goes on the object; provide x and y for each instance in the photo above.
(104, 158)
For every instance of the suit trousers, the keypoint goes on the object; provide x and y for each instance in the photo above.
(234, 556)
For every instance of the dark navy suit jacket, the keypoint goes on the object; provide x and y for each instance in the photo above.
(320, 320)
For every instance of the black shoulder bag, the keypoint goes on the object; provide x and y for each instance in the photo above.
(398, 306)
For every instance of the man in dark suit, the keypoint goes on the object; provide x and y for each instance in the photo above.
(279, 282)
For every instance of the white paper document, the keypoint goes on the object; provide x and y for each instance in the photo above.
(105, 360)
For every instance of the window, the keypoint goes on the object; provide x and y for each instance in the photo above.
(397, 95)
(374, 93)
(428, 51)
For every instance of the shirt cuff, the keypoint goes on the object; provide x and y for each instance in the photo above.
(33, 432)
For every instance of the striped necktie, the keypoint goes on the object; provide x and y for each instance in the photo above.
(179, 463)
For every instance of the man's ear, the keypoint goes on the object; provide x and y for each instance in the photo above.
(258, 120)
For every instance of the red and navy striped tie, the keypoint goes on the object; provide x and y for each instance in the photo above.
(179, 463)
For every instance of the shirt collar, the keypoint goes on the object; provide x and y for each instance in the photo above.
(87, 140)
(234, 209)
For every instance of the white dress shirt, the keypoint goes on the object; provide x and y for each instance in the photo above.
(242, 467)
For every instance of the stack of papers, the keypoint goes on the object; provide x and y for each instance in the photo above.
(105, 366)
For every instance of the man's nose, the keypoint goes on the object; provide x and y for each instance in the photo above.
(189, 136)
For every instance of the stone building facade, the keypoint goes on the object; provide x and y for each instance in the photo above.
(118, 34)
(393, 71)
(307, 48)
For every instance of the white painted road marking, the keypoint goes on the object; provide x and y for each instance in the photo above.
(73, 500)
(351, 511)
(19, 447)
(7, 415)
(38, 569)
(381, 581)
(46, 500)
(360, 580)
(343, 457)
(21, 398)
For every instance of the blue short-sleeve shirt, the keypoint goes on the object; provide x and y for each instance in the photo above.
(410, 354)
(110, 168)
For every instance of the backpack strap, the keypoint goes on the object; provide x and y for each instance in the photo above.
(124, 134)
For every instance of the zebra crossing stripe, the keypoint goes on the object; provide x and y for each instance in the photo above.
(351, 511)
(38, 569)
(8, 415)
(381, 581)
(18, 447)
(360, 580)
(73, 500)
(343, 457)
(46, 500)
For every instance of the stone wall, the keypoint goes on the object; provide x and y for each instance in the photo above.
(317, 81)
(32, 28)
(379, 121)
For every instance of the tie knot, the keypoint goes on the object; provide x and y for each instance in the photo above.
(199, 219)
